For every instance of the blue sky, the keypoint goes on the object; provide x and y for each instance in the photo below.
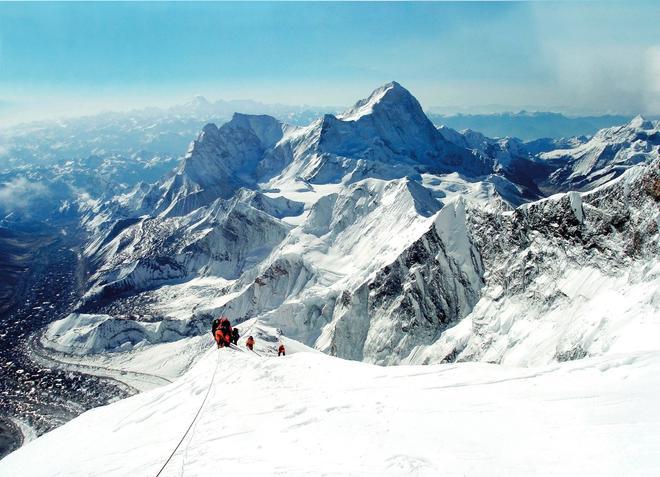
(585, 57)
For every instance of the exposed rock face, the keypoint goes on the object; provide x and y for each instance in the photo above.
(566, 277)
(434, 282)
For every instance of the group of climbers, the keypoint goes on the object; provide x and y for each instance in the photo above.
(225, 335)
(222, 332)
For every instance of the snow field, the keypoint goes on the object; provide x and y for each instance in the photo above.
(310, 414)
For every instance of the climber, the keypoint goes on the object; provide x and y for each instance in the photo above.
(223, 332)
(250, 343)
(214, 325)
(234, 336)
(219, 338)
(281, 351)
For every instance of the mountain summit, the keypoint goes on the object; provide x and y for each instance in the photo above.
(640, 122)
(391, 96)
(387, 135)
(390, 127)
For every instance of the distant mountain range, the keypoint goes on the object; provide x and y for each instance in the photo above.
(529, 125)
(156, 131)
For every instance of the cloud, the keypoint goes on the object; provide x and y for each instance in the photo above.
(652, 69)
(602, 57)
(20, 193)
(609, 78)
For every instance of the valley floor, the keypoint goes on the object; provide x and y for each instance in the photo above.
(310, 414)
(38, 396)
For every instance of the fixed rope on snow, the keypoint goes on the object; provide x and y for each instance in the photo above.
(217, 361)
(208, 391)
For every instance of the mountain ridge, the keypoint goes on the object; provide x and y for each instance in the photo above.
(369, 206)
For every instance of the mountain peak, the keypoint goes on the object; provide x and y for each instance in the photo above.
(389, 95)
(639, 122)
(199, 99)
(198, 103)
(268, 129)
(208, 129)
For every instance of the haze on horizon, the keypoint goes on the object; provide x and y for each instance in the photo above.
(571, 57)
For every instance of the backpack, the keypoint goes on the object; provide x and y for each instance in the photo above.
(214, 325)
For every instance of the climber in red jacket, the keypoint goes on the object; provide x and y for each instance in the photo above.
(250, 343)
(223, 333)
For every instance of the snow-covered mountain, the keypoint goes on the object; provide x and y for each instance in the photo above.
(220, 240)
(373, 235)
(219, 162)
(385, 136)
(569, 276)
(605, 156)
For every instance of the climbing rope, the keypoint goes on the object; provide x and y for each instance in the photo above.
(217, 361)
(208, 391)
(192, 435)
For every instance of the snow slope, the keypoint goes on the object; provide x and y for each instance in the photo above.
(310, 414)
